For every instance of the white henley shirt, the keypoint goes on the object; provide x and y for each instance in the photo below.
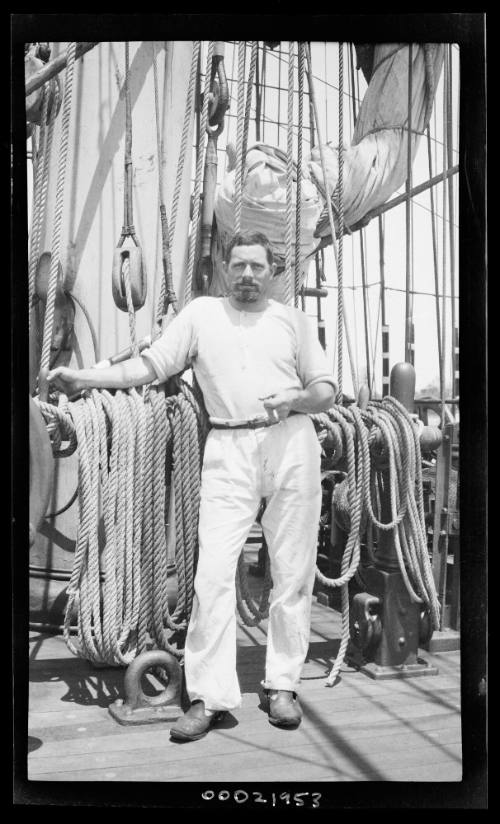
(239, 357)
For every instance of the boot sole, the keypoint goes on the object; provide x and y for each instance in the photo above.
(284, 723)
(178, 735)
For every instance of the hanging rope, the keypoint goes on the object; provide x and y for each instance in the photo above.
(382, 442)
(435, 260)
(167, 295)
(289, 279)
(330, 216)
(444, 244)
(188, 116)
(128, 229)
(36, 222)
(132, 449)
(340, 264)
(240, 132)
(193, 238)
(58, 211)
(298, 194)
(250, 81)
(409, 260)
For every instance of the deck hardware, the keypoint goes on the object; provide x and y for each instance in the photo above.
(138, 708)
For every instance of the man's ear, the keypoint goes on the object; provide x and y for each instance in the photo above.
(273, 270)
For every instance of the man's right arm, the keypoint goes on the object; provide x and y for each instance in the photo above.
(132, 372)
(167, 356)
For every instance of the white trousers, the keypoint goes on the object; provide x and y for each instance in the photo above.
(280, 463)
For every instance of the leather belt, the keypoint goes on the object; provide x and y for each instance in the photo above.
(252, 423)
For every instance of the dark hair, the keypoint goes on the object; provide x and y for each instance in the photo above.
(250, 239)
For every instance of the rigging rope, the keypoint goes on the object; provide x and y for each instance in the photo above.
(340, 267)
(240, 130)
(193, 238)
(167, 295)
(58, 211)
(131, 448)
(289, 180)
(298, 205)
(188, 116)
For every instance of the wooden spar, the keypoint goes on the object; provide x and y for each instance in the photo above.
(54, 67)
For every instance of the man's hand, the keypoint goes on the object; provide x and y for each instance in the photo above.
(66, 380)
(279, 405)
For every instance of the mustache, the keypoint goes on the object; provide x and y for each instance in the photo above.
(246, 284)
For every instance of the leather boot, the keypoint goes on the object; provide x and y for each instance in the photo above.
(194, 724)
(284, 708)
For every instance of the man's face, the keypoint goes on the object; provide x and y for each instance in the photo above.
(249, 273)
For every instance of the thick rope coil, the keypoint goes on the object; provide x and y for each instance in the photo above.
(58, 212)
(119, 592)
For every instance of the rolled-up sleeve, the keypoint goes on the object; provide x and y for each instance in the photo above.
(176, 348)
(312, 365)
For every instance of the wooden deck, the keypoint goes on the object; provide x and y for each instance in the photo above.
(359, 730)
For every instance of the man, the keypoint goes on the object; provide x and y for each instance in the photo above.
(261, 370)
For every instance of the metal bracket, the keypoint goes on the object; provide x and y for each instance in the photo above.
(139, 708)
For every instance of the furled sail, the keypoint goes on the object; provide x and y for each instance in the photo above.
(375, 164)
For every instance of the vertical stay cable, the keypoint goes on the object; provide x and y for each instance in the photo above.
(449, 139)
(365, 306)
(58, 212)
(298, 195)
(289, 179)
(198, 179)
(251, 73)
(435, 256)
(443, 313)
(385, 327)
(409, 301)
(310, 79)
(240, 127)
(258, 96)
(167, 294)
(340, 186)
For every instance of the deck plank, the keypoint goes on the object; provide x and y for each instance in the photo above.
(359, 730)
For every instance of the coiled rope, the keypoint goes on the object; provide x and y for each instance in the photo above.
(132, 448)
(384, 431)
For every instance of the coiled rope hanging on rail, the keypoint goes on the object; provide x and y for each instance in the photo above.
(386, 429)
(130, 447)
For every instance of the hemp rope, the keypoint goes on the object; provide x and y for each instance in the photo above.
(58, 212)
(240, 130)
(289, 180)
(193, 238)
